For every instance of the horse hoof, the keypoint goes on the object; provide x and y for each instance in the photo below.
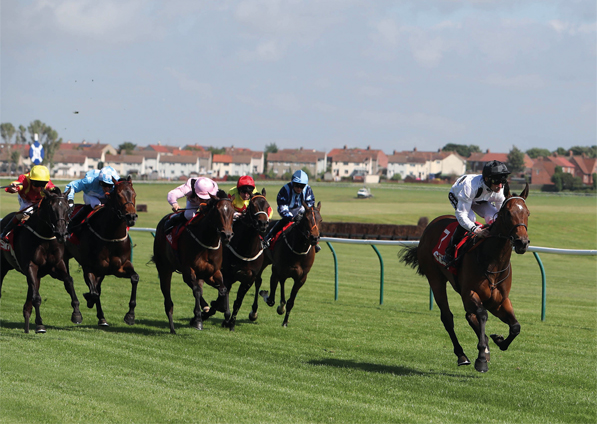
(284, 324)
(481, 365)
(76, 318)
(463, 360)
(265, 295)
(281, 309)
(499, 341)
(102, 323)
(40, 329)
(196, 324)
(252, 316)
(129, 319)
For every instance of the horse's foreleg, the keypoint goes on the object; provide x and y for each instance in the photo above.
(270, 297)
(295, 289)
(223, 293)
(240, 295)
(473, 305)
(197, 286)
(101, 320)
(129, 318)
(253, 314)
(506, 314)
(92, 296)
(165, 283)
(27, 308)
(282, 306)
(33, 299)
(474, 323)
(63, 274)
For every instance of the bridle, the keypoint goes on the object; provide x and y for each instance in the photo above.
(50, 224)
(118, 208)
(515, 226)
(307, 234)
(251, 219)
(208, 216)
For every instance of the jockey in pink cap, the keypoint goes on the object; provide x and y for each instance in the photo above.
(197, 191)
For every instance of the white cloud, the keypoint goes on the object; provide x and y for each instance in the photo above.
(517, 82)
(188, 84)
(420, 121)
(286, 102)
(268, 51)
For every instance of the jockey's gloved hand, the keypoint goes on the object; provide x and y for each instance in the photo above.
(298, 217)
(71, 204)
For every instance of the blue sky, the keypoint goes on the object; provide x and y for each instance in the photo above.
(392, 75)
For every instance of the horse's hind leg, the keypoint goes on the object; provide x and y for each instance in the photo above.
(506, 314)
(33, 299)
(270, 297)
(282, 306)
(441, 298)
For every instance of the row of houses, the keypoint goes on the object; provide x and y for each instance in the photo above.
(157, 161)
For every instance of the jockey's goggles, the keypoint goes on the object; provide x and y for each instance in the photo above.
(299, 185)
(39, 183)
(103, 184)
(246, 189)
(499, 180)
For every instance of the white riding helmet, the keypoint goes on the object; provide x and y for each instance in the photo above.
(204, 187)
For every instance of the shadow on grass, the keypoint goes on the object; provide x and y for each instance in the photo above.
(382, 369)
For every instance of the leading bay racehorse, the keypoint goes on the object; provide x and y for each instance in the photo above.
(198, 255)
(38, 251)
(484, 277)
(102, 246)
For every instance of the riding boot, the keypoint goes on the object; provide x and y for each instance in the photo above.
(9, 227)
(451, 249)
(272, 232)
(175, 219)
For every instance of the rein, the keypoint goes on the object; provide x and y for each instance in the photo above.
(197, 239)
(243, 258)
(37, 234)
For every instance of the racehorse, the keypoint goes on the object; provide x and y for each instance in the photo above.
(292, 256)
(484, 277)
(102, 246)
(243, 256)
(38, 250)
(198, 254)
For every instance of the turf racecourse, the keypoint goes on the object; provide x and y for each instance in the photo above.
(345, 361)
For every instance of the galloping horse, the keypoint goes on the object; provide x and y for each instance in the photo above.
(198, 255)
(243, 257)
(484, 277)
(39, 251)
(292, 257)
(102, 246)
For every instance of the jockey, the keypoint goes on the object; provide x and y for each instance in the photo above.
(29, 187)
(197, 192)
(240, 195)
(482, 194)
(95, 185)
(290, 203)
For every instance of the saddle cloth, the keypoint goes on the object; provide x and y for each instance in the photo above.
(73, 236)
(173, 235)
(444, 241)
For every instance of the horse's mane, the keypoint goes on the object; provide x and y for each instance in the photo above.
(221, 194)
(55, 190)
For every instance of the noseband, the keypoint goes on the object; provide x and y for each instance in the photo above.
(253, 218)
(118, 208)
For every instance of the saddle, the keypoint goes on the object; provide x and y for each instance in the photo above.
(461, 248)
(174, 233)
(74, 226)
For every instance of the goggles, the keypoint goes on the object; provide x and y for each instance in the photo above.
(498, 180)
(39, 183)
(103, 184)
(246, 189)
(299, 185)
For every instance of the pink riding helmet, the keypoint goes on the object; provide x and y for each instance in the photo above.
(204, 187)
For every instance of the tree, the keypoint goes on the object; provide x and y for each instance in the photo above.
(462, 149)
(216, 150)
(561, 151)
(127, 147)
(269, 148)
(51, 145)
(7, 130)
(516, 160)
(590, 152)
(21, 135)
(14, 158)
(535, 152)
(37, 127)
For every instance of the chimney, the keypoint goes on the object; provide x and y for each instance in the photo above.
(394, 152)
(368, 147)
(415, 149)
(488, 151)
(345, 147)
(570, 153)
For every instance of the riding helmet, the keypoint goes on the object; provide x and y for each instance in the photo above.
(106, 174)
(204, 187)
(495, 168)
(245, 180)
(39, 173)
(300, 177)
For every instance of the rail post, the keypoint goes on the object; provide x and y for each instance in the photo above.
(380, 275)
(543, 285)
(335, 270)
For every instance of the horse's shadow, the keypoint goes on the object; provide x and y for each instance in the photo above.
(382, 369)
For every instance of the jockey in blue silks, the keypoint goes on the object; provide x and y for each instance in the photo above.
(290, 202)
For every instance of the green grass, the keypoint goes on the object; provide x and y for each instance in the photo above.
(350, 360)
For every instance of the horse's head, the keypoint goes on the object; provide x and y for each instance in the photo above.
(122, 199)
(257, 213)
(310, 223)
(54, 211)
(513, 219)
(222, 213)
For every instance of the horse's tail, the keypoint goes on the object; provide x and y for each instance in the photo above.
(408, 256)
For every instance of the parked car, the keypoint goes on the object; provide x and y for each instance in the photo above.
(364, 193)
